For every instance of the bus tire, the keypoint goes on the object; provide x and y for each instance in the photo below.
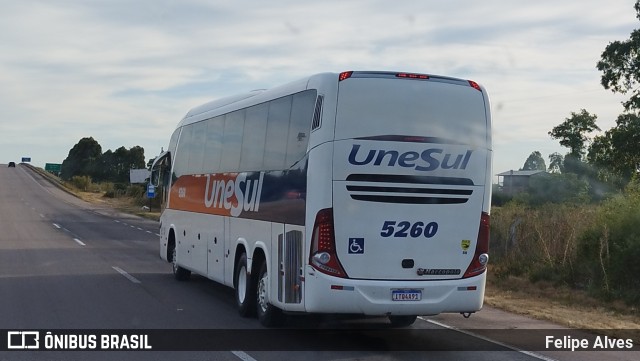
(179, 273)
(268, 314)
(244, 288)
(402, 321)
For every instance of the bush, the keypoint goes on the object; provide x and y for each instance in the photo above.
(538, 243)
(609, 252)
(558, 188)
(81, 182)
(592, 247)
(136, 191)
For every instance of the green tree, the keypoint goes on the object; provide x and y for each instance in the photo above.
(115, 165)
(86, 159)
(620, 66)
(82, 159)
(534, 162)
(136, 157)
(618, 150)
(107, 168)
(573, 132)
(556, 163)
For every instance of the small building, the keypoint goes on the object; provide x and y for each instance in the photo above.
(516, 181)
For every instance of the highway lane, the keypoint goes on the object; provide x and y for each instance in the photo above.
(74, 251)
(66, 264)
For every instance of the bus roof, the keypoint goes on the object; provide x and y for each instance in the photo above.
(239, 101)
(232, 103)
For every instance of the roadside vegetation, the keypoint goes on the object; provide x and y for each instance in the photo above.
(128, 198)
(593, 248)
(103, 177)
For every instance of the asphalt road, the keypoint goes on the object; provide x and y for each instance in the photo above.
(69, 265)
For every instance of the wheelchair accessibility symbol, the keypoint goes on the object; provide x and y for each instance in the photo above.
(356, 245)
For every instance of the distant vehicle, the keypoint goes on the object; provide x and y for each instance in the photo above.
(358, 193)
(12, 164)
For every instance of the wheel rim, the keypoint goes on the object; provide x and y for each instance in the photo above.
(242, 284)
(262, 292)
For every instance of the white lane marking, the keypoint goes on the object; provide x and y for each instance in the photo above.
(243, 356)
(79, 242)
(48, 191)
(140, 229)
(124, 273)
(41, 215)
(466, 332)
(149, 232)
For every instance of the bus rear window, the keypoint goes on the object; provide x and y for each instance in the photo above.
(369, 107)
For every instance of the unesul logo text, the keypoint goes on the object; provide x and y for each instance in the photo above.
(429, 160)
(233, 193)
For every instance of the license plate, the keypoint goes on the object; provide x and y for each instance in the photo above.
(406, 295)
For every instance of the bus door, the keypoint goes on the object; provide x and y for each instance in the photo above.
(161, 176)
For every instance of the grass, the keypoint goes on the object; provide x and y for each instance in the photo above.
(559, 304)
(123, 204)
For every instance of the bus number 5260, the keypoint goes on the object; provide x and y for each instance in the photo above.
(405, 229)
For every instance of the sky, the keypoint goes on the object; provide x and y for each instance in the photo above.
(125, 72)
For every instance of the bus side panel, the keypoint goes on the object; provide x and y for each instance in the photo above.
(182, 234)
(214, 236)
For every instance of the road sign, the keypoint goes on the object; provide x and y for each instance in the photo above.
(151, 191)
(139, 175)
(53, 168)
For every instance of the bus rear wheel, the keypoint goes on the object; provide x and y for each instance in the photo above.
(244, 288)
(402, 321)
(268, 314)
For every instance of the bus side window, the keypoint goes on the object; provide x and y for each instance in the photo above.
(302, 111)
(255, 135)
(232, 141)
(277, 132)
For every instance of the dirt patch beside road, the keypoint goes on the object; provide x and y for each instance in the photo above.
(559, 304)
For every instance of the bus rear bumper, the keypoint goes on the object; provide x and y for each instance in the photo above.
(326, 294)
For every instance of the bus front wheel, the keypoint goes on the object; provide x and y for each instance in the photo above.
(179, 273)
(268, 314)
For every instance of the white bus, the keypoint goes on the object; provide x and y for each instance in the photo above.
(361, 193)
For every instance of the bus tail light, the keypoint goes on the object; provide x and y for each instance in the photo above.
(475, 85)
(412, 76)
(481, 256)
(323, 245)
(345, 75)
